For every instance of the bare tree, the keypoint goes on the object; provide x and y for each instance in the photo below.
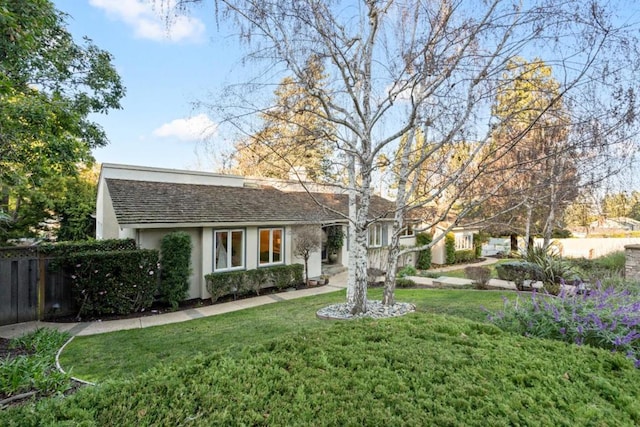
(395, 68)
(306, 242)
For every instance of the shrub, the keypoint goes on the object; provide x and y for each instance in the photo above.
(64, 249)
(403, 282)
(464, 256)
(553, 268)
(175, 263)
(407, 270)
(518, 272)
(478, 240)
(450, 248)
(423, 261)
(604, 318)
(244, 282)
(479, 274)
(118, 282)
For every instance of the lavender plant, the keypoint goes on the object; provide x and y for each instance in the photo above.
(603, 317)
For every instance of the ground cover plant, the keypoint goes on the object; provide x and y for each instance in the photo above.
(125, 354)
(421, 369)
(607, 318)
(27, 366)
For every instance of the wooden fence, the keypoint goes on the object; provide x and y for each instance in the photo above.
(32, 287)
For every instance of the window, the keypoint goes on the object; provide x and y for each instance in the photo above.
(271, 246)
(407, 230)
(375, 236)
(464, 241)
(228, 250)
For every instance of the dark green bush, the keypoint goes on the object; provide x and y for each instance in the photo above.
(450, 248)
(244, 282)
(175, 267)
(403, 282)
(518, 272)
(423, 261)
(465, 256)
(118, 282)
(407, 270)
(63, 249)
(478, 240)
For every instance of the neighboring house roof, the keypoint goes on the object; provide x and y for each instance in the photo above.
(145, 202)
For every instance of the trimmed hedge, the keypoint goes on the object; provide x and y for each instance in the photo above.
(518, 272)
(175, 249)
(423, 261)
(450, 248)
(479, 274)
(64, 249)
(465, 256)
(246, 281)
(118, 282)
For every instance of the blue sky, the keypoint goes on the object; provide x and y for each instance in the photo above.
(165, 69)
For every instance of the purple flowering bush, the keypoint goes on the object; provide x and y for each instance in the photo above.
(604, 317)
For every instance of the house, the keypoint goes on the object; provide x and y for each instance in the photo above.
(235, 222)
(426, 218)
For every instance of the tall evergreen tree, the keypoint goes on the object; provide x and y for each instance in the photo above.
(295, 133)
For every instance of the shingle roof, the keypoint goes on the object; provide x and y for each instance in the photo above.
(144, 202)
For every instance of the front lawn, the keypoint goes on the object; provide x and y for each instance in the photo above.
(421, 369)
(129, 353)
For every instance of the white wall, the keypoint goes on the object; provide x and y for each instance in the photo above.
(150, 239)
(571, 248)
(315, 260)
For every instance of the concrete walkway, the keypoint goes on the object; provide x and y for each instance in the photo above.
(337, 282)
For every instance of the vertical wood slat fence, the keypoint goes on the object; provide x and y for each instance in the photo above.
(31, 287)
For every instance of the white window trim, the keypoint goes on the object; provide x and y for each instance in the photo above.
(377, 236)
(464, 242)
(229, 244)
(271, 262)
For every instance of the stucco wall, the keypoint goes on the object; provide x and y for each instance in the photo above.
(150, 239)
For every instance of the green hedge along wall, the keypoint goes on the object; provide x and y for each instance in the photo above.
(117, 282)
(175, 262)
(247, 281)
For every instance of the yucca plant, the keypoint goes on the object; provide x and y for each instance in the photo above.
(553, 267)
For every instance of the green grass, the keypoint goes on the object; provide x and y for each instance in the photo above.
(421, 369)
(128, 353)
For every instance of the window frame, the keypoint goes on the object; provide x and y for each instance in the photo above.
(271, 230)
(376, 231)
(229, 259)
(464, 242)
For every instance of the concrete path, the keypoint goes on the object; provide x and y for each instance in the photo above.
(336, 283)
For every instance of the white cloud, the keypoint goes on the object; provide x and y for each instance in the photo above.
(192, 129)
(149, 24)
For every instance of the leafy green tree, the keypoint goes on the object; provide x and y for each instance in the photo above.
(76, 204)
(49, 85)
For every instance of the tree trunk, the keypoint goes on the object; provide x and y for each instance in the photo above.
(514, 242)
(527, 229)
(388, 297)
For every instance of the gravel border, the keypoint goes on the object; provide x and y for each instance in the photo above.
(375, 310)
